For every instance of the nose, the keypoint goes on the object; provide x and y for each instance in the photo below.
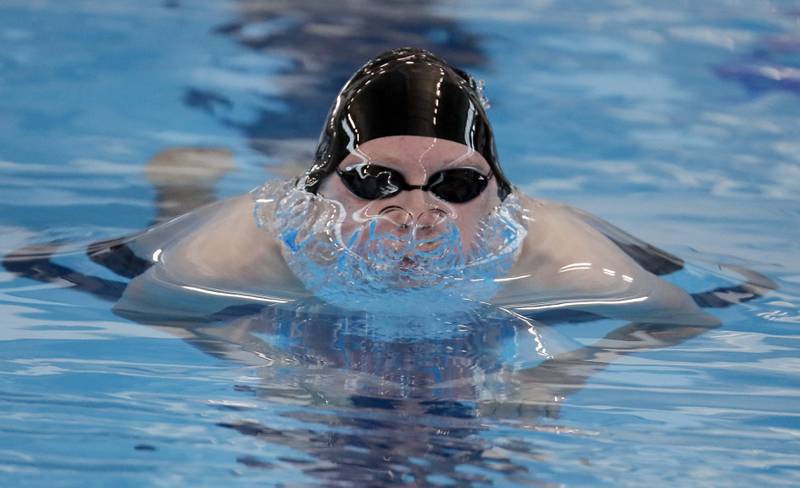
(415, 201)
(414, 211)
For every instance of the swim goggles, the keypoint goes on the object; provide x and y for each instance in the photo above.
(373, 182)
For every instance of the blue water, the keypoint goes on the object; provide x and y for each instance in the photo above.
(679, 122)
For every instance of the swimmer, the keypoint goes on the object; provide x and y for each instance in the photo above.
(405, 198)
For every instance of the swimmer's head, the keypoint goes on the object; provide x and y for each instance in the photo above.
(406, 92)
(405, 196)
(408, 142)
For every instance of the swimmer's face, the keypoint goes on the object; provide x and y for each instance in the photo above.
(416, 158)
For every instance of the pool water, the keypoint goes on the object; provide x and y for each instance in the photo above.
(677, 122)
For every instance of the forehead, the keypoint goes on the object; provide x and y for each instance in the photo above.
(407, 152)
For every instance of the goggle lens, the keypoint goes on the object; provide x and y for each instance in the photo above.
(373, 182)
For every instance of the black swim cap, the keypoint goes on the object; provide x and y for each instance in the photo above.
(411, 92)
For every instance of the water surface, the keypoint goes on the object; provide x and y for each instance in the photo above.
(676, 122)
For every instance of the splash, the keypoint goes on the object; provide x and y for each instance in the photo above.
(399, 268)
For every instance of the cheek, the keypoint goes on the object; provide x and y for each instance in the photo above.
(470, 214)
(333, 189)
(468, 223)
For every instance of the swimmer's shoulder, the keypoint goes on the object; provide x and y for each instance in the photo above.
(218, 248)
(566, 259)
(558, 236)
(562, 235)
(229, 249)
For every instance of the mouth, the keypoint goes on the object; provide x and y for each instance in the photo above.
(413, 273)
(407, 264)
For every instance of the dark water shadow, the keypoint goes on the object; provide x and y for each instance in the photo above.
(320, 45)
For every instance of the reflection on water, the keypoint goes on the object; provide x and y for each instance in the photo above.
(395, 411)
(361, 408)
(773, 62)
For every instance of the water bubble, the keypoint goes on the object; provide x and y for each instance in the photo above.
(393, 262)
